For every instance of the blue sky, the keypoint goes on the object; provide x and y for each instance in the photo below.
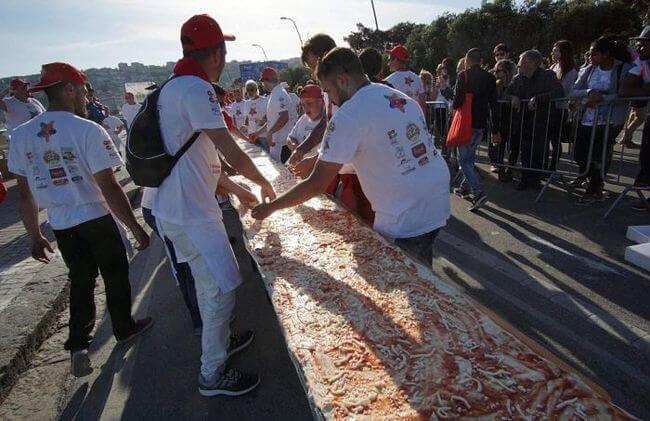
(101, 33)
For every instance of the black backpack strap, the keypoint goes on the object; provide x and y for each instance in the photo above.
(185, 147)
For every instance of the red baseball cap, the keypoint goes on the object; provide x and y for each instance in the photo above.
(399, 52)
(17, 83)
(269, 73)
(202, 31)
(54, 73)
(311, 91)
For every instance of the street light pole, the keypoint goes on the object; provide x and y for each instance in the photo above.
(374, 12)
(262, 48)
(295, 26)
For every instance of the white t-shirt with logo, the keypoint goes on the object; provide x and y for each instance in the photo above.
(255, 111)
(383, 133)
(237, 113)
(112, 124)
(331, 109)
(407, 82)
(19, 112)
(303, 128)
(279, 101)
(58, 152)
(129, 112)
(188, 104)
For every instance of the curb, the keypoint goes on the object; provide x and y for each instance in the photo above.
(28, 344)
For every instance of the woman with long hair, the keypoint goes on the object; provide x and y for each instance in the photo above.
(602, 119)
(504, 71)
(564, 66)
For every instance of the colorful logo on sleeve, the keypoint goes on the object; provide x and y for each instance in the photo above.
(252, 111)
(331, 127)
(408, 81)
(396, 102)
(412, 132)
(47, 130)
(392, 134)
(211, 97)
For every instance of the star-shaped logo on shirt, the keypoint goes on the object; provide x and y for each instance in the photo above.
(238, 112)
(408, 80)
(47, 130)
(396, 102)
(252, 111)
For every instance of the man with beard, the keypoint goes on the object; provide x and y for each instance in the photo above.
(64, 163)
(20, 107)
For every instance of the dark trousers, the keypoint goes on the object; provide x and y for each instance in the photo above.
(183, 273)
(532, 147)
(592, 167)
(644, 155)
(285, 154)
(421, 247)
(88, 249)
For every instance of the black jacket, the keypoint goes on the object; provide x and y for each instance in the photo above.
(484, 89)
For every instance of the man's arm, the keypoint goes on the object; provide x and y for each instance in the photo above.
(313, 140)
(227, 186)
(120, 206)
(317, 183)
(283, 119)
(223, 141)
(29, 215)
(422, 100)
(632, 85)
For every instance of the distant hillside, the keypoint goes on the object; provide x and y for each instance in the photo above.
(109, 82)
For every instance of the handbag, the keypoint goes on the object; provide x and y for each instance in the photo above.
(460, 131)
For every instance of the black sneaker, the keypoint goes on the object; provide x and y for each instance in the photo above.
(80, 363)
(240, 341)
(578, 182)
(477, 201)
(141, 326)
(231, 383)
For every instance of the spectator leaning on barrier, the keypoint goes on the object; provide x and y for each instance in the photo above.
(637, 83)
(64, 163)
(20, 106)
(185, 207)
(482, 85)
(130, 108)
(534, 119)
(565, 68)
(402, 78)
(383, 133)
(597, 88)
(504, 71)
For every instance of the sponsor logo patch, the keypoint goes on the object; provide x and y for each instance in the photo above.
(392, 134)
(51, 157)
(77, 179)
(68, 154)
(423, 161)
(419, 150)
(60, 182)
(57, 172)
(412, 132)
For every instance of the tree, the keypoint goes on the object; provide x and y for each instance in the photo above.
(295, 76)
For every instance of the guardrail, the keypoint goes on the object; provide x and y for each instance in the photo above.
(559, 140)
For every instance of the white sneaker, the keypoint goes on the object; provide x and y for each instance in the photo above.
(80, 364)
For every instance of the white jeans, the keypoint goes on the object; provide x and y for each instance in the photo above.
(215, 307)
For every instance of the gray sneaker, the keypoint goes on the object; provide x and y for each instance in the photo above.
(80, 363)
(231, 383)
(477, 201)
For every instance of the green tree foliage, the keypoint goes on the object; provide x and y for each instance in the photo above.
(295, 76)
(521, 25)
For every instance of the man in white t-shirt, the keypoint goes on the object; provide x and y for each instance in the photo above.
(278, 107)
(383, 133)
(185, 207)
(295, 101)
(255, 114)
(402, 78)
(237, 109)
(20, 107)
(114, 126)
(64, 164)
(130, 108)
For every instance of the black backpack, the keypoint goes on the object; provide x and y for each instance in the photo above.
(146, 159)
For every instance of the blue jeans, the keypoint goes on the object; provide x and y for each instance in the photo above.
(466, 158)
(182, 272)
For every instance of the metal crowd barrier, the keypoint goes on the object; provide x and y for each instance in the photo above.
(543, 141)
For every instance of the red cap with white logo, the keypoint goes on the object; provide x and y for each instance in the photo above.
(202, 31)
(54, 73)
(269, 73)
(17, 83)
(311, 91)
